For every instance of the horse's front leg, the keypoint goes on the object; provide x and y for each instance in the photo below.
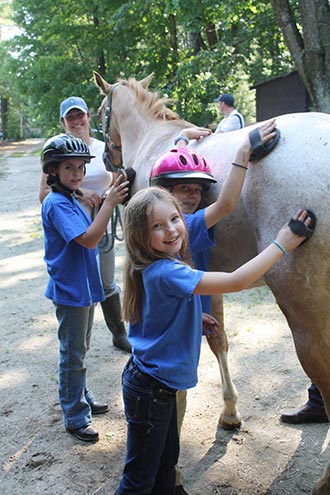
(230, 417)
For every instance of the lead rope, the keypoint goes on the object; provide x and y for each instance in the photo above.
(108, 239)
(117, 220)
(107, 158)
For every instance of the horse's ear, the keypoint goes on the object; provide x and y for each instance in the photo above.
(146, 81)
(101, 83)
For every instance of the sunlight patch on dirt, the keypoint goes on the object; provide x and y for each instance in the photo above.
(13, 378)
(34, 343)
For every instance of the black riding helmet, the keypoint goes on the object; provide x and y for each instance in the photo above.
(63, 146)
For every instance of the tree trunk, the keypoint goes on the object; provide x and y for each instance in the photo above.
(173, 37)
(101, 57)
(4, 117)
(310, 46)
(196, 42)
(211, 35)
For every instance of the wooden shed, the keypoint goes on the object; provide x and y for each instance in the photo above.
(280, 95)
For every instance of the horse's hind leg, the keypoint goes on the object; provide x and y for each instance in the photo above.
(230, 416)
(322, 486)
(307, 310)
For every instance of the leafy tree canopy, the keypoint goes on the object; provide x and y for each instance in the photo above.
(195, 49)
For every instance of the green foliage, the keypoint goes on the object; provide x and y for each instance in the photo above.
(195, 49)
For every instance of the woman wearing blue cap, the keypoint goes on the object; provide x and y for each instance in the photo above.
(233, 120)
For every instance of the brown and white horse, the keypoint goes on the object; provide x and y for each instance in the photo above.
(295, 174)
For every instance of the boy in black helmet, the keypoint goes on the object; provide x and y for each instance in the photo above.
(74, 285)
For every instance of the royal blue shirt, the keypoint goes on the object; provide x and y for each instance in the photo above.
(201, 240)
(74, 278)
(166, 342)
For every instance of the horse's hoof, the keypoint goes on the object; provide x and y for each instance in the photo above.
(230, 422)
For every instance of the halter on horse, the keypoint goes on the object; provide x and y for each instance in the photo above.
(109, 146)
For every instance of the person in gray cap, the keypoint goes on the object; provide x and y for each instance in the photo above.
(233, 120)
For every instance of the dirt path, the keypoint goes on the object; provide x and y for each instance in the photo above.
(38, 457)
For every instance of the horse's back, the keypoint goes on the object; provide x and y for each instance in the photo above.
(303, 135)
(296, 174)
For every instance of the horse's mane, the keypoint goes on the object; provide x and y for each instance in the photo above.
(155, 106)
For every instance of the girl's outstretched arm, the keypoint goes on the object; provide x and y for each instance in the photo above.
(244, 276)
(232, 186)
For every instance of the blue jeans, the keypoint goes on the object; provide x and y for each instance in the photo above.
(152, 447)
(74, 334)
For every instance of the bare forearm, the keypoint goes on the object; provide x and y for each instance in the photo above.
(232, 186)
(95, 231)
(242, 278)
(228, 197)
(191, 133)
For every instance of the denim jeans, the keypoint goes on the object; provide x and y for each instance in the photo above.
(74, 334)
(152, 447)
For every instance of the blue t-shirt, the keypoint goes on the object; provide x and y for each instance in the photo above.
(73, 269)
(201, 240)
(166, 342)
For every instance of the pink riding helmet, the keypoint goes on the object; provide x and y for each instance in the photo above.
(181, 166)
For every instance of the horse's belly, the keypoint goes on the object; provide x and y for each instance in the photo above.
(235, 242)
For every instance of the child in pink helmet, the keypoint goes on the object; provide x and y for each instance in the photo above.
(186, 174)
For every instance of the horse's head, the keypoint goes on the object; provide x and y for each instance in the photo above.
(109, 118)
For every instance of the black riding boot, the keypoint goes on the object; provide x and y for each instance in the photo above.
(111, 308)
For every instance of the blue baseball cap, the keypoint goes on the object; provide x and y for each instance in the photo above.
(226, 98)
(72, 102)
